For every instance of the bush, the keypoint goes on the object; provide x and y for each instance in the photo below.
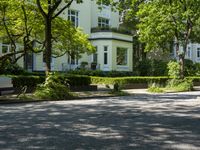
(100, 73)
(155, 89)
(154, 67)
(128, 80)
(54, 88)
(29, 81)
(180, 85)
(11, 69)
(78, 80)
(173, 69)
(189, 68)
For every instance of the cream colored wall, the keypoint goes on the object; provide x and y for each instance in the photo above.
(105, 13)
(100, 52)
(84, 10)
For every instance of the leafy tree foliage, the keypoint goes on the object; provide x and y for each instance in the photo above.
(162, 21)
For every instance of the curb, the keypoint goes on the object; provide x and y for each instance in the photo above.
(7, 101)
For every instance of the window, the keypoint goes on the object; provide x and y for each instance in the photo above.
(73, 60)
(189, 52)
(73, 17)
(5, 48)
(198, 52)
(121, 56)
(103, 22)
(105, 55)
(95, 56)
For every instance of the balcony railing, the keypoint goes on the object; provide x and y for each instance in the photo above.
(109, 29)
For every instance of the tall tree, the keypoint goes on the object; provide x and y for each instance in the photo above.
(50, 9)
(19, 24)
(164, 20)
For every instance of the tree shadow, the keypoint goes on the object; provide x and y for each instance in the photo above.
(132, 122)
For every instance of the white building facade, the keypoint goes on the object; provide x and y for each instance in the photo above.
(114, 49)
(192, 53)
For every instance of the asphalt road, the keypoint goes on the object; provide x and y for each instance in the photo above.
(146, 122)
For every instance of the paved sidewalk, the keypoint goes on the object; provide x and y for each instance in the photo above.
(138, 122)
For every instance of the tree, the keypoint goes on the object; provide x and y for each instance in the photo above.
(72, 42)
(19, 24)
(50, 9)
(162, 21)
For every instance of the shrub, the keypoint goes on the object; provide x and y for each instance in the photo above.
(153, 67)
(155, 89)
(128, 80)
(54, 88)
(29, 81)
(100, 73)
(180, 85)
(197, 69)
(78, 80)
(173, 69)
(9, 68)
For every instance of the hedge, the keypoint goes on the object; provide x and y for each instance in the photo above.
(29, 81)
(132, 80)
(78, 80)
(128, 80)
(33, 81)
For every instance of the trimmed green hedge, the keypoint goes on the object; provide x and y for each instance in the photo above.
(128, 80)
(33, 81)
(78, 80)
(29, 81)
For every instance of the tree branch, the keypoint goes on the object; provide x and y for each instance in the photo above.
(40, 9)
(66, 6)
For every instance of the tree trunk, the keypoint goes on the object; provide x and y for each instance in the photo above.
(181, 61)
(48, 45)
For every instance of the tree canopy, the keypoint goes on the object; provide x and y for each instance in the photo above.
(162, 21)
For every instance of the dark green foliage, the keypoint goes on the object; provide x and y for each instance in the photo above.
(78, 80)
(153, 67)
(33, 81)
(29, 81)
(128, 80)
(100, 73)
(11, 69)
(55, 88)
(180, 84)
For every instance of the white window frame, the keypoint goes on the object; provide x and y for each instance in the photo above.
(102, 22)
(75, 15)
(8, 48)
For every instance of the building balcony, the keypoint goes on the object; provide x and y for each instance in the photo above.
(109, 29)
(110, 34)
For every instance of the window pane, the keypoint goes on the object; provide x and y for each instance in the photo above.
(73, 17)
(121, 56)
(95, 57)
(103, 22)
(105, 58)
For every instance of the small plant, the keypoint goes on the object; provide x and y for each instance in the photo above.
(155, 88)
(54, 88)
(84, 64)
(180, 85)
(173, 69)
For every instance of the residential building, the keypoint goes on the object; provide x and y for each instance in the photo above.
(192, 52)
(114, 49)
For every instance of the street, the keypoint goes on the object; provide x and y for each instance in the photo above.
(140, 121)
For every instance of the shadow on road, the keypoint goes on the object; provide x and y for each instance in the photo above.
(162, 121)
